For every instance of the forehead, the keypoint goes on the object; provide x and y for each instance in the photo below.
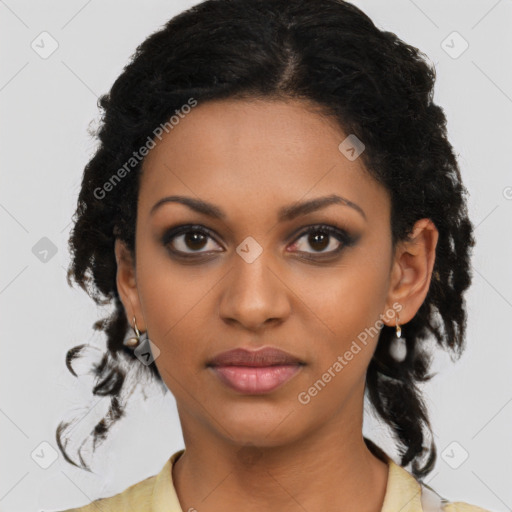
(254, 152)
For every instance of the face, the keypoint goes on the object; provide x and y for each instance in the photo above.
(257, 270)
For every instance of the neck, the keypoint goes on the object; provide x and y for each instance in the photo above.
(329, 469)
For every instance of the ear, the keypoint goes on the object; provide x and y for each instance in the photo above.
(412, 271)
(127, 285)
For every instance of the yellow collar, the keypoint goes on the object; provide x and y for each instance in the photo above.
(165, 498)
(403, 491)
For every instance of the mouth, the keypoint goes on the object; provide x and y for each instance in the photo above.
(255, 372)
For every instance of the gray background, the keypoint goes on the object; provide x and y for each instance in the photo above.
(46, 107)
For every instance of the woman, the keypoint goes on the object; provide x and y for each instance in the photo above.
(278, 218)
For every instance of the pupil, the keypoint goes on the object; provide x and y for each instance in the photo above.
(194, 240)
(313, 239)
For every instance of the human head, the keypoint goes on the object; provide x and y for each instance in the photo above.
(370, 83)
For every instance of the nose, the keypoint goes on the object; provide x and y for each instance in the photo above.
(254, 295)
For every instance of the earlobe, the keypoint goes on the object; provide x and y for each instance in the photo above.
(412, 269)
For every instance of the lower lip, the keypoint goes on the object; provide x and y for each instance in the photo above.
(255, 379)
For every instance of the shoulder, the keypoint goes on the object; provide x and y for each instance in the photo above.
(135, 498)
(460, 506)
(408, 494)
(154, 493)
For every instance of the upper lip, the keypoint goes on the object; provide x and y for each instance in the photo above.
(267, 356)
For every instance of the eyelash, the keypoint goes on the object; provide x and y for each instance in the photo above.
(341, 235)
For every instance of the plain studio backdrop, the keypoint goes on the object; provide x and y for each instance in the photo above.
(48, 95)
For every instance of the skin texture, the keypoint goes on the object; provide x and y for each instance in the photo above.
(250, 158)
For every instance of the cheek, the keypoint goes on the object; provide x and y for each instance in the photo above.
(173, 301)
(349, 299)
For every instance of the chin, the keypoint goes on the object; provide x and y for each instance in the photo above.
(260, 425)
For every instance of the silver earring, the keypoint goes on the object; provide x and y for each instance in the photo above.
(398, 347)
(134, 341)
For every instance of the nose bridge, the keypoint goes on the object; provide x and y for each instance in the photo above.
(253, 292)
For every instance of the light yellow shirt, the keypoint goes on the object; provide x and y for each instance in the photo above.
(158, 494)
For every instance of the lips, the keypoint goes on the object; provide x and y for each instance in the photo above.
(255, 372)
(268, 356)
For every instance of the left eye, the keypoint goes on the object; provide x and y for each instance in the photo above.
(320, 238)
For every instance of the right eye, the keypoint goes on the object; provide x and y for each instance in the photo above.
(188, 240)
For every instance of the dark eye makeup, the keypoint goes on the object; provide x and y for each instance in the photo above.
(195, 236)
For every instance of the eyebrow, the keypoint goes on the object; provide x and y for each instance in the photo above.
(285, 213)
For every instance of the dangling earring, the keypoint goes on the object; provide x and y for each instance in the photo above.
(398, 347)
(134, 341)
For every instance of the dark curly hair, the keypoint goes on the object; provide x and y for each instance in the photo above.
(372, 84)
